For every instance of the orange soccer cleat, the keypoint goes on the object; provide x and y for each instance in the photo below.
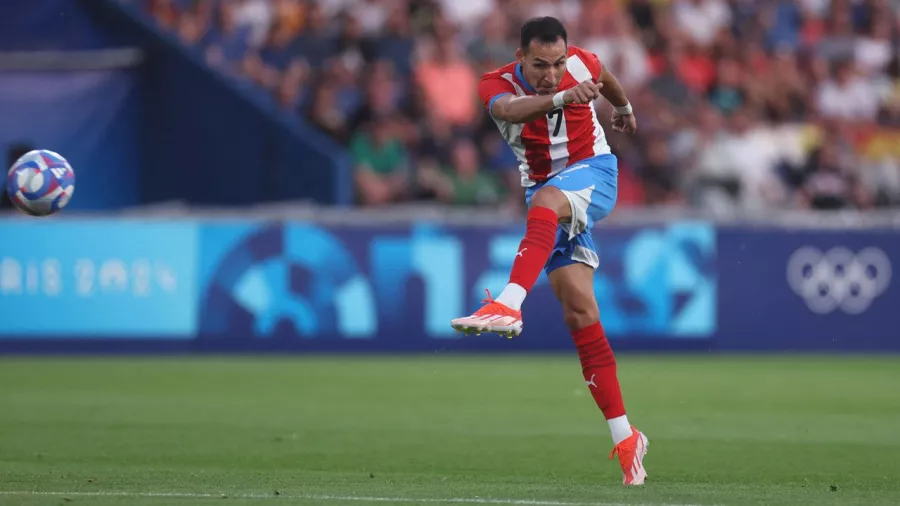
(631, 457)
(492, 317)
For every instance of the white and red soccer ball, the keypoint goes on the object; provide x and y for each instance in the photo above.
(40, 183)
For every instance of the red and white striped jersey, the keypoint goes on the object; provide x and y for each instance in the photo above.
(560, 139)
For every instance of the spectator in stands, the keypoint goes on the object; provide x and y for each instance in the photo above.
(382, 163)
(164, 12)
(383, 94)
(614, 41)
(292, 87)
(316, 44)
(227, 42)
(500, 160)
(702, 20)
(874, 50)
(352, 45)
(879, 172)
(466, 13)
(782, 22)
(568, 11)
(709, 182)
(660, 178)
(266, 65)
(465, 183)
(830, 184)
(191, 28)
(372, 16)
(491, 47)
(847, 95)
(839, 41)
(448, 84)
(786, 97)
(255, 15)
(668, 82)
(397, 44)
(325, 113)
(728, 91)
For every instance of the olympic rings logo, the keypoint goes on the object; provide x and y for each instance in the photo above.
(839, 278)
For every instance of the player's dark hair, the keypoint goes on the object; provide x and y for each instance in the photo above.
(545, 30)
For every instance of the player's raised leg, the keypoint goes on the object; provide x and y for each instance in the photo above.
(503, 315)
(574, 287)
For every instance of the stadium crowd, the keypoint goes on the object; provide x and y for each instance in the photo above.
(741, 104)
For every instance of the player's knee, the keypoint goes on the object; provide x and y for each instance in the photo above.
(552, 198)
(579, 314)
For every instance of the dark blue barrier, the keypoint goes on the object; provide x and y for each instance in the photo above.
(50, 25)
(214, 139)
(256, 286)
(92, 118)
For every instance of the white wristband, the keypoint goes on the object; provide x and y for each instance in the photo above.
(559, 99)
(625, 110)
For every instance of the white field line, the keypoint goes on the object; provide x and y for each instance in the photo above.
(317, 497)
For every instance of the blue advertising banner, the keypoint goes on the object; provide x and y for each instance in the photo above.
(302, 287)
(400, 287)
(97, 279)
(251, 285)
(799, 290)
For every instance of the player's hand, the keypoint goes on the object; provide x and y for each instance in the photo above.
(583, 93)
(624, 123)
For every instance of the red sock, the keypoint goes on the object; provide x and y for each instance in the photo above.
(599, 367)
(535, 248)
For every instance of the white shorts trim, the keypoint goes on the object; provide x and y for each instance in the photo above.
(579, 201)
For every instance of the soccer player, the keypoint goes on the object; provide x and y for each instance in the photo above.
(542, 105)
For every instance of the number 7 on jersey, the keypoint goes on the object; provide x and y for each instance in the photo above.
(558, 114)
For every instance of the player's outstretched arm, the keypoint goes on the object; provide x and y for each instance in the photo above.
(514, 109)
(623, 119)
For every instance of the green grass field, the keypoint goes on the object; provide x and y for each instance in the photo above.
(445, 430)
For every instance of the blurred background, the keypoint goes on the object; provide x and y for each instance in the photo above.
(742, 104)
(320, 174)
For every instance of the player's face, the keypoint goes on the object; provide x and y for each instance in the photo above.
(543, 65)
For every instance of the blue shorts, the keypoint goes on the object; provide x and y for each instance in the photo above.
(591, 186)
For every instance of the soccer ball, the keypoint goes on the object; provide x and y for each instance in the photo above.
(40, 183)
